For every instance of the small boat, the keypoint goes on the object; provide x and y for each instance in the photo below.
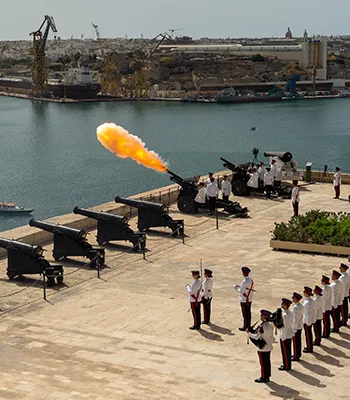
(11, 208)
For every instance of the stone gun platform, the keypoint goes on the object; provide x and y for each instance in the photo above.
(126, 336)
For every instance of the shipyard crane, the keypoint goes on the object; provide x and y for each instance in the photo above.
(39, 71)
(294, 73)
(108, 79)
(174, 30)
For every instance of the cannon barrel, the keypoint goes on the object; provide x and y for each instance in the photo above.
(174, 177)
(228, 164)
(156, 207)
(119, 220)
(73, 233)
(30, 250)
(284, 156)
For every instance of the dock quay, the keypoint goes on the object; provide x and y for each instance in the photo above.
(126, 335)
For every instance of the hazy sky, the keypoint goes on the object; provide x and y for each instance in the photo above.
(197, 18)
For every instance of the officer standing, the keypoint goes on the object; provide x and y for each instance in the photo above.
(298, 312)
(337, 182)
(212, 194)
(286, 335)
(345, 280)
(265, 332)
(253, 182)
(194, 291)
(268, 182)
(274, 169)
(318, 303)
(309, 319)
(225, 188)
(200, 200)
(337, 300)
(211, 175)
(326, 306)
(261, 172)
(245, 291)
(295, 198)
(207, 295)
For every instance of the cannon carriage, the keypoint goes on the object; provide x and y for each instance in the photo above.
(151, 215)
(25, 259)
(114, 227)
(71, 242)
(188, 192)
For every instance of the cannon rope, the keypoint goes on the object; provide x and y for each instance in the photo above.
(21, 290)
(165, 237)
(203, 222)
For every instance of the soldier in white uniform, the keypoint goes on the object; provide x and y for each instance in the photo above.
(253, 182)
(298, 312)
(274, 170)
(309, 319)
(286, 335)
(268, 182)
(337, 300)
(326, 306)
(211, 175)
(319, 315)
(295, 198)
(345, 280)
(337, 183)
(212, 194)
(264, 332)
(245, 291)
(225, 188)
(194, 291)
(207, 295)
(261, 172)
(200, 200)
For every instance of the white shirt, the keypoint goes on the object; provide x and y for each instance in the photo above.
(274, 170)
(295, 194)
(194, 290)
(201, 196)
(264, 332)
(345, 280)
(209, 181)
(212, 189)
(326, 298)
(226, 188)
(298, 313)
(337, 179)
(309, 317)
(261, 172)
(268, 179)
(318, 303)
(286, 332)
(254, 180)
(337, 293)
(245, 290)
(207, 287)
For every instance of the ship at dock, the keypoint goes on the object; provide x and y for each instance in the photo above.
(75, 83)
(230, 95)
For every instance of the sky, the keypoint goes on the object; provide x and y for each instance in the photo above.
(195, 18)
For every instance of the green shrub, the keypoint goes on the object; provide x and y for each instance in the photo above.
(318, 227)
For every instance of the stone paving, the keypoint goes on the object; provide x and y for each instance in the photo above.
(125, 336)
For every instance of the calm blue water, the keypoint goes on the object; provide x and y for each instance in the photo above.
(51, 160)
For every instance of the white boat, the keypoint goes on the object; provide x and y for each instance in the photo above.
(11, 208)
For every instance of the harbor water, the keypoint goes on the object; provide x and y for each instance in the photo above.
(51, 160)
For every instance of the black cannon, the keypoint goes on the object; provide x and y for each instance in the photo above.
(241, 176)
(284, 156)
(153, 215)
(188, 192)
(25, 259)
(71, 242)
(113, 227)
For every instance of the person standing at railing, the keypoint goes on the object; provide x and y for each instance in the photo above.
(337, 182)
(225, 188)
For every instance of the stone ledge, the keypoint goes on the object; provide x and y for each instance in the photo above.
(310, 248)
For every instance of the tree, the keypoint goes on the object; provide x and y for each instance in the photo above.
(257, 58)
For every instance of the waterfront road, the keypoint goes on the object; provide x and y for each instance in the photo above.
(126, 336)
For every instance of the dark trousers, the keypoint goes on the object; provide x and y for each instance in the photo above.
(345, 311)
(247, 314)
(265, 363)
(268, 190)
(206, 310)
(286, 350)
(225, 197)
(196, 312)
(337, 191)
(296, 208)
(317, 331)
(327, 323)
(336, 319)
(308, 337)
(297, 344)
(212, 204)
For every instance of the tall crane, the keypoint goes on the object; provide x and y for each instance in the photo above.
(294, 74)
(174, 30)
(39, 71)
(108, 79)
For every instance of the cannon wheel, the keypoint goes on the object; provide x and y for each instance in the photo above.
(239, 188)
(186, 205)
(59, 279)
(50, 281)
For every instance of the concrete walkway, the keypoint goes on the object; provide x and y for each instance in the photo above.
(126, 335)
